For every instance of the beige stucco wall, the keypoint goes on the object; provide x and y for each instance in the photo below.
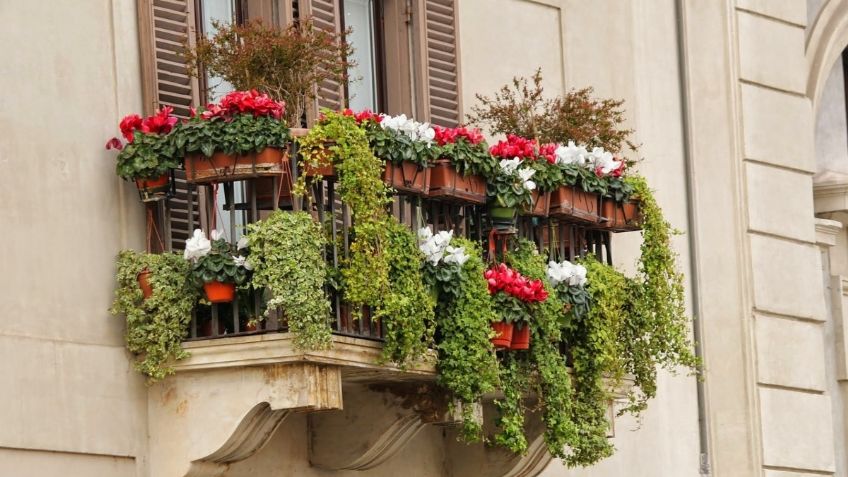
(69, 402)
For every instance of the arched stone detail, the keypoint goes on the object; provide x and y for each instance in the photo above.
(251, 435)
(827, 37)
(534, 462)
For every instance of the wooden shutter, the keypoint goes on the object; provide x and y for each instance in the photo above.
(436, 31)
(165, 27)
(326, 15)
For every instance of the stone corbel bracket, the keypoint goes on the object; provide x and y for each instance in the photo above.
(201, 422)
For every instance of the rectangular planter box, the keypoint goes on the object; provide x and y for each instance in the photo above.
(574, 204)
(541, 204)
(448, 185)
(223, 167)
(620, 216)
(407, 177)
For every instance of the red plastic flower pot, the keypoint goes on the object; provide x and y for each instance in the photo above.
(157, 183)
(520, 337)
(217, 292)
(144, 283)
(503, 334)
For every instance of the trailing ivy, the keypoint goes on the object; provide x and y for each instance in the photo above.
(365, 275)
(157, 325)
(657, 333)
(407, 309)
(286, 251)
(514, 383)
(553, 384)
(467, 364)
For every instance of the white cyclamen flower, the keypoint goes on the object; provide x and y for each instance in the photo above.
(424, 233)
(604, 161)
(443, 238)
(571, 154)
(566, 272)
(197, 246)
(242, 262)
(509, 166)
(456, 255)
(242, 243)
(578, 276)
(525, 174)
(426, 133)
(216, 234)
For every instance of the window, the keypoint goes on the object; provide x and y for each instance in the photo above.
(362, 89)
(220, 11)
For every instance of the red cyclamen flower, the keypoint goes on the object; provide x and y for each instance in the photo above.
(507, 280)
(515, 146)
(450, 135)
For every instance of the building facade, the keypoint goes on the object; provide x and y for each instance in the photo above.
(740, 108)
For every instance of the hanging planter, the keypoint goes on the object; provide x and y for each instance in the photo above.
(407, 177)
(620, 216)
(503, 218)
(520, 337)
(574, 204)
(144, 283)
(154, 184)
(220, 167)
(447, 184)
(218, 292)
(541, 204)
(503, 334)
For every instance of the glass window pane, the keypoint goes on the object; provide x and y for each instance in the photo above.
(222, 11)
(362, 89)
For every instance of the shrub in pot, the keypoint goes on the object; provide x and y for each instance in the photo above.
(215, 267)
(149, 154)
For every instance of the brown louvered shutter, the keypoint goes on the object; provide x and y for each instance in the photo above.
(326, 15)
(165, 27)
(439, 93)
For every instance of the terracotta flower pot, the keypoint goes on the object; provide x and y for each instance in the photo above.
(325, 167)
(161, 182)
(503, 337)
(144, 283)
(620, 216)
(520, 337)
(449, 185)
(226, 167)
(541, 204)
(407, 177)
(574, 204)
(503, 218)
(218, 292)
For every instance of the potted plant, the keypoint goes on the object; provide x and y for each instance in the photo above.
(578, 197)
(509, 189)
(405, 146)
(620, 211)
(542, 160)
(215, 267)
(464, 161)
(511, 293)
(242, 136)
(149, 154)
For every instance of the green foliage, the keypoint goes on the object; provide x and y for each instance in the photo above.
(467, 364)
(521, 108)
(407, 309)
(514, 377)
(365, 275)
(548, 176)
(287, 255)
(218, 266)
(240, 135)
(469, 158)
(507, 190)
(553, 383)
(657, 332)
(147, 157)
(284, 63)
(391, 145)
(510, 309)
(155, 326)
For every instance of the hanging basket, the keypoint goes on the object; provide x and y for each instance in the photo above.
(573, 204)
(520, 337)
(222, 167)
(156, 188)
(407, 177)
(620, 216)
(541, 204)
(503, 334)
(447, 184)
(502, 218)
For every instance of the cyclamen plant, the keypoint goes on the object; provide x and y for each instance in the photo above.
(569, 281)
(512, 291)
(512, 185)
(214, 261)
(148, 152)
(541, 159)
(466, 149)
(397, 138)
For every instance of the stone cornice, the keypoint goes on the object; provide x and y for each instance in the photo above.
(830, 192)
